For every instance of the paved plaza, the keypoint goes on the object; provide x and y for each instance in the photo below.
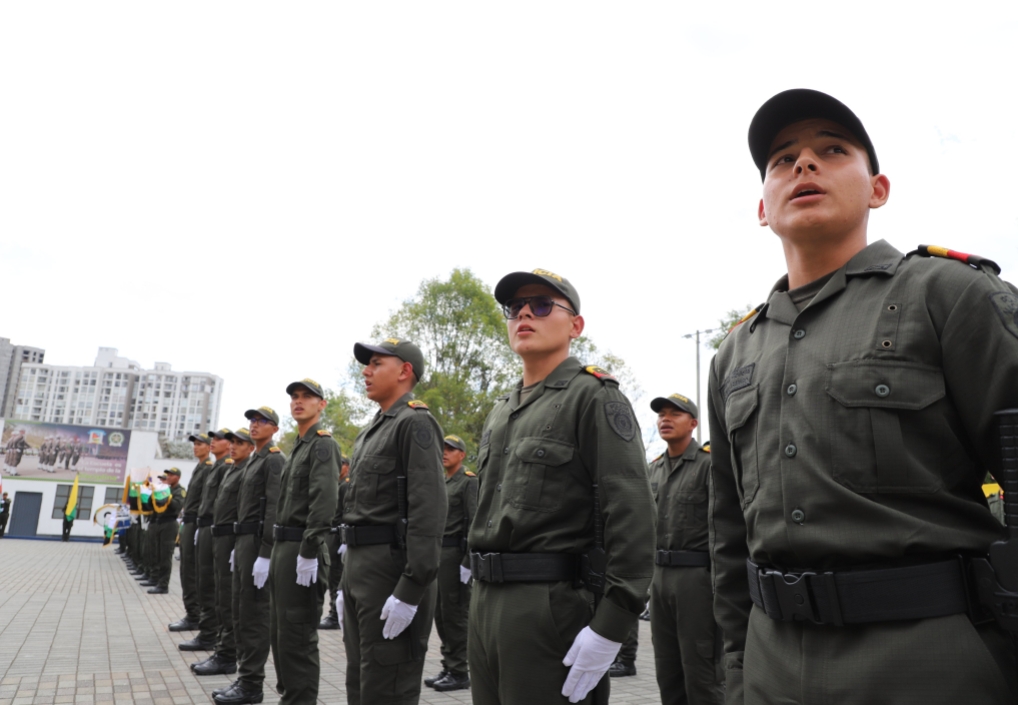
(76, 628)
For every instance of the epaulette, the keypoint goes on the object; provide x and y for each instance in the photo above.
(971, 260)
(705, 447)
(346, 479)
(601, 373)
(183, 494)
(274, 449)
(324, 432)
(469, 473)
(416, 404)
(658, 458)
(745, 318)
(229, 461)
(209, 461)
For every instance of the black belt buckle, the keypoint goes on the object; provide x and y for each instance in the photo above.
(487, 567)
(664, 558)
(795, 594)
(348, 535)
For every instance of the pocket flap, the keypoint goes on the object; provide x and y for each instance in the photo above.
(885, 384)
(544, 451)
(381, 464)
(695, 497)
(741, 405)
(390, 652)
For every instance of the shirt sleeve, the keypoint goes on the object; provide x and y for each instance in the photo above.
(470, 509)
(273, 474)
(323, 489)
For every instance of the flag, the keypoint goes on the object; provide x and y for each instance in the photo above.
(161, 496)
(71, 510)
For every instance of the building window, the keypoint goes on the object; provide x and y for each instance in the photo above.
(84, 501)
(114, 495)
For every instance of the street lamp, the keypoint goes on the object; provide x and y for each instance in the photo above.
(697, 336)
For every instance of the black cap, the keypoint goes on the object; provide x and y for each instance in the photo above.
(403, 349)
(511, 283)
(221, 434)
(455, 442)
(678, 401)
(343, 460)
(241, 434)
(801, 104)
(199, 438)
(308, 384)
(266, 412)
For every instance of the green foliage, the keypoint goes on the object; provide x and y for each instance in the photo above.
(725, 325)
(341, 417)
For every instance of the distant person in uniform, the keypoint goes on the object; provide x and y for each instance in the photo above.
(852, 425)
(18, 446)
(337, 548)
(188, 531)
(5, 513)
(65, 534)
(165, 529)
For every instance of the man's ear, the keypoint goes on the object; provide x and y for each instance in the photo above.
(761, 215)
(577, 330)
(881, 191)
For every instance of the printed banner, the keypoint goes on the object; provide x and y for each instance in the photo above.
(46, 451)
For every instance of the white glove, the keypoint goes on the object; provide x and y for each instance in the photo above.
(231, 559)
(590, 656)
(260, 573)
(307, 571)
(196, 537)
(397, 616)
(464, 575)
(342, 549)
(339, 607)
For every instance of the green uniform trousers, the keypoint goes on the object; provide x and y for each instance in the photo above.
(519, 633)
(943, 660)
(208, 620)
(687, 641)
(381, 671)
(189, 571)
(149, 551)
(627, 654)
(226, 644)
(335, 570)
(133, 551)
(164, 539)
(294, 612)
(250, 614)
(452, 611)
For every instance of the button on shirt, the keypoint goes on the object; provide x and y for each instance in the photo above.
(260, 481)
(308, 489)
(681, 494)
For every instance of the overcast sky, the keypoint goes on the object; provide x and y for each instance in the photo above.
(246, 188)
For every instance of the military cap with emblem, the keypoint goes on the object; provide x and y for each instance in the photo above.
(511, 283)
(395, 347)
(199, 438)
(794, 106)
(678, 401)
(221, 434)
(455, 442)
(241, 434)
(171, 471)
(308, 384)
(265, 412)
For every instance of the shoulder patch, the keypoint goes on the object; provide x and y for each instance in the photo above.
(416, 404)
(183, 493)
(469, 473)
(599, 372)
(274, 449)
(972, 260)
(1006, 305)
(324, 432)
(620, 419)
(423, 433)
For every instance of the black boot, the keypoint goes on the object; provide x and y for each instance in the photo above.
(430, 682)
(330, 622)
(196, 644)
(452, 682)
(620, 669)
(214, 666)
(183, 625)
(237, 694)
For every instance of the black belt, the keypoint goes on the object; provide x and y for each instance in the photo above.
(524, 567)
(452, 540)
(202, 521)
(861, 596)
(188, 518)
(367, 535)
(288, 533)
(222, 530)
(682, 559)
(163, 519)
(250, 527)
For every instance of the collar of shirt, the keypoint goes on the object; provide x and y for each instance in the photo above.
(688, 454)
(307, 437)
(559, 378)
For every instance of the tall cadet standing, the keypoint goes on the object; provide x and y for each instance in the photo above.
(188, 529)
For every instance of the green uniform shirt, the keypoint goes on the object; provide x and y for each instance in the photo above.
(308, 488)
(178, 497)
(405, 440)
(461, 489)
(338, 518)
(260, 481)
(225, 509)
(194, 495)
(211, 487)
(680, 487)
(538, 462)
(859, 430)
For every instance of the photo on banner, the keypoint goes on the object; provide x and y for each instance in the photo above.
(58, 452)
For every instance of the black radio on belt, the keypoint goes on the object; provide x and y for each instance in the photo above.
(997, 576)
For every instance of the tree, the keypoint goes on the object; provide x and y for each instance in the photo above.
(340, 417)
(726, 324)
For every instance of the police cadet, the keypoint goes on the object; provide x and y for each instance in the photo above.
(256, 514)
(565, 518)
(852, 424)
(337, 548)
(224, 659)
(188, 529)
(453, 604)
(164, 531)
(145, 534)
(393, 520)
(208, 619)
(687, 645)
(299, 567)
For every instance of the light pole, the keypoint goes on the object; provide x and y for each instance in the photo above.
(698, 407)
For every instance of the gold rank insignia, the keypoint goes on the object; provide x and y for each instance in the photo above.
(468, 473)
(183, 494)
(229, 461)
(744, 319)
(209, 462)
(416, 404)
(973, 260)
(599, 372)
(546, 273)
(658, 458)
(274, 449)
(324, 432)
(393, 341)
(706, 447)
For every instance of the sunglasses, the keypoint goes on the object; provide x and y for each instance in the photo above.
(254, 420)
(540, 306)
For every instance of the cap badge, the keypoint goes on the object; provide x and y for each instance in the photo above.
(546, 273)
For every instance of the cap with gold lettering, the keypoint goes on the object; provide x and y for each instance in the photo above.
(511, 283)
(308, 384)
(265, 412)
(241, 434)
(455, 442)
(403, 349)
(678, 401)
(222, 434)
(199, 438)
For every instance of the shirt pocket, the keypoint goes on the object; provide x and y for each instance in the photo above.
(691, 509)
(538, 474)
(743, 431)
(379, 477)
(882, 434)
